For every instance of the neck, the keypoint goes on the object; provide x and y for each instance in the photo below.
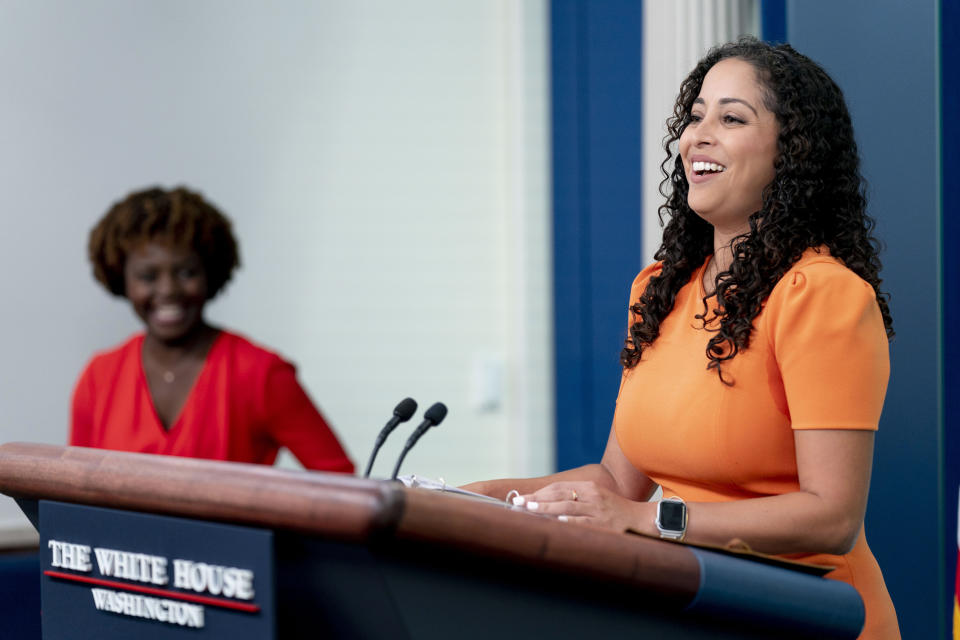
(722, 256)
(721, 260)
(722, 246)
(170, 351)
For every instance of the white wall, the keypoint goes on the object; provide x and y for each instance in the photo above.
(386, 168)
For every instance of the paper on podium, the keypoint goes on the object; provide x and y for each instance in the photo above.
(416, 482)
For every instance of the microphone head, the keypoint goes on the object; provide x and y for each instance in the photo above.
(436, 413)
(406, 409)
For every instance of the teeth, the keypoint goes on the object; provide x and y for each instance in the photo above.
(700, 167)
(169, 312)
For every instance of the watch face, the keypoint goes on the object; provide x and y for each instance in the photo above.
(671, 515)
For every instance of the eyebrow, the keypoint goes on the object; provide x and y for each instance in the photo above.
(728, 101)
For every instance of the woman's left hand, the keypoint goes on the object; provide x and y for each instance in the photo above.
(589, 503)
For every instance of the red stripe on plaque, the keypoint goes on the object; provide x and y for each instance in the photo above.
(213, 602)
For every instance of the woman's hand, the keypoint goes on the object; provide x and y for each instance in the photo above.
(590, 503)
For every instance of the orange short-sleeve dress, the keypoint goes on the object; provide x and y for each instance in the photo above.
(818, 359)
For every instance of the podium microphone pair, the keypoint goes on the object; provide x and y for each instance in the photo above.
(403, 412)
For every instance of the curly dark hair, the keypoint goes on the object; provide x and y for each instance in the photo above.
(817, 198)
(178, 217)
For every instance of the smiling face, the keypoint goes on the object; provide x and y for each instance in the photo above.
(729, 147)
(167, 287)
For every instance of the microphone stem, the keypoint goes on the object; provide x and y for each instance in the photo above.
(403, 454)
(373, 456)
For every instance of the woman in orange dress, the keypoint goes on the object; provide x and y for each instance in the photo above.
(756, 361)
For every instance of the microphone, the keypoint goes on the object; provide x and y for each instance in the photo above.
(403, 412)
(431, 418)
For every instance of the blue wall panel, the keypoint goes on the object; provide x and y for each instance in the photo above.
(883, 54)
(773, 20)
(596, 73)
(950, 247)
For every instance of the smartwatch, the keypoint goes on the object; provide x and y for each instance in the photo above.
(672, 518)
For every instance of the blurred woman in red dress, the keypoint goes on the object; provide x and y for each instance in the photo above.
(183, 387)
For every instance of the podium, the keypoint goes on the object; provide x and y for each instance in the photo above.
(146, 546)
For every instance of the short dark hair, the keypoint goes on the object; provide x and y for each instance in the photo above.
(180, 218)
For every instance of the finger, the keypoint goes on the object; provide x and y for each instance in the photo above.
(565, 488)
(560, 491)
(562, 507)
(547, 507)
(540, 496)
(574, 519)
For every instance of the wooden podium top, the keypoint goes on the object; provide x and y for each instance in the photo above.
(641, 579)
(341, 507)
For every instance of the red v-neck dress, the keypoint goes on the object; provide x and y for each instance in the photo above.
(244, 405)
